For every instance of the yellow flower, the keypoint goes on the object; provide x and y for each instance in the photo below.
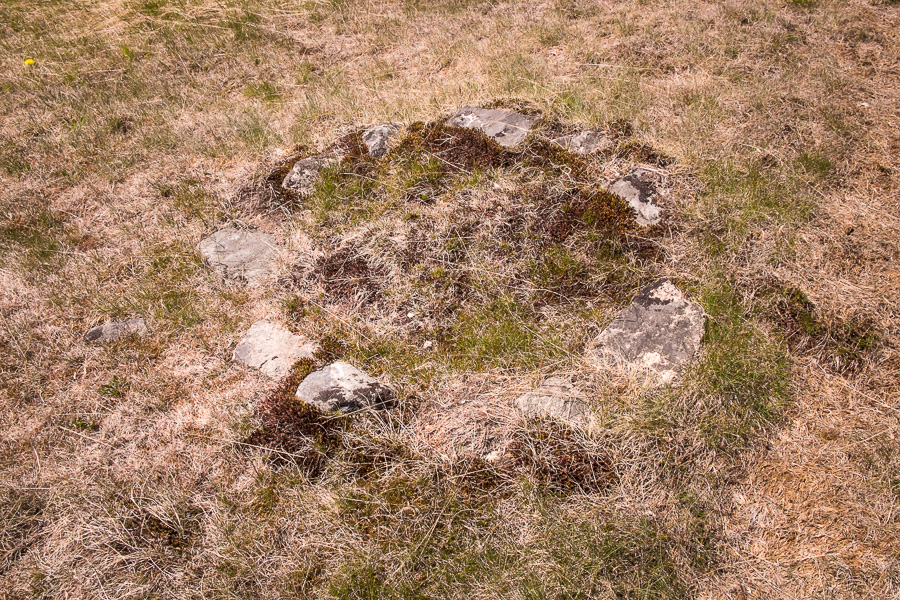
(29, 61)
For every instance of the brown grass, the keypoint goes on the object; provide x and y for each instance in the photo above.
(771, 471)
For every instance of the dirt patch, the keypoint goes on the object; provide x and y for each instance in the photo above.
(347, 275)
(561, 456)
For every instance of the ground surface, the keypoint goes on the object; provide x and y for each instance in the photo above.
(131, 130)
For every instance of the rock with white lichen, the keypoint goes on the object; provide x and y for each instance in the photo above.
(657, 334)
(272, 349)
(116, 330)
(505, 127)
(640, 189)
(240, 255)
(341, 387)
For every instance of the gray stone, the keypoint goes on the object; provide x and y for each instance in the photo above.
(303, 175)
(240, 255)
(505, 127)
(658, 333)
(378, 138)
(272, 349)
(586, 142)
(116, 330)
(640, 189)
(341, 387)
(556, 398)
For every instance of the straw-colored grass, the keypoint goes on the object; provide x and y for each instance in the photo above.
(131, 129)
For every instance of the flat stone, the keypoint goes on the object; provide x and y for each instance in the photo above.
(378, 138)
(555, 398)
(505, 127)
(586, 142)
(240, 255)
(116, 330)
(303, 175)
(640, 189)
(272, 349)
(341, 387)
(658, 333)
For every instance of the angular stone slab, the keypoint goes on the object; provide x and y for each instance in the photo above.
(116, 330)
(586, 142)
(272, 349)
(658, 333)
(303, 175)
(378, 138)
(240, 255)
(640, 189)
(555, 398)
(341, 387)
(505, 127)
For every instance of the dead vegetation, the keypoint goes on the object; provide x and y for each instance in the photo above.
(457, 271)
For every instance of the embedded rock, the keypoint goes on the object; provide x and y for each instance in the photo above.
(116, 330)
(640, 189)
(240, 255)
(658, 333)
(586, 142)
(378, 138)
(341, 387)
(505, 127)
(305, 172)
(272, 349)
(555, 398)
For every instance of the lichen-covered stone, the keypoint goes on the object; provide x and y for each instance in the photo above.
(557, 398)
(116, 330)
(304, 174)
(658, 333)
(240, 255)
(585, 142)
(378, 138)
(341, 387)
(505, 127)
(640, 188)
(272, 349)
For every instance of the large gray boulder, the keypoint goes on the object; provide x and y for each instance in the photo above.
(585, 142)
(658, 333)
(304, 174)
(378, 138)
(640, 189)
(556, 398)
(272, 349)
(240, 255)
(341, 387)
(116, 330)
(505, 127)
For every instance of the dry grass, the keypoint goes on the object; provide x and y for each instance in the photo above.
(129, 470)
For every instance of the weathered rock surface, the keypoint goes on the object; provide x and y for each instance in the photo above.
(640, 189)
(586, 142)
(240, 255)
(116, 330)
(378, 138)
(272, 349)
(505, 127)
(303, 175)
(658, 333)
(341, 387)
(556, 398)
